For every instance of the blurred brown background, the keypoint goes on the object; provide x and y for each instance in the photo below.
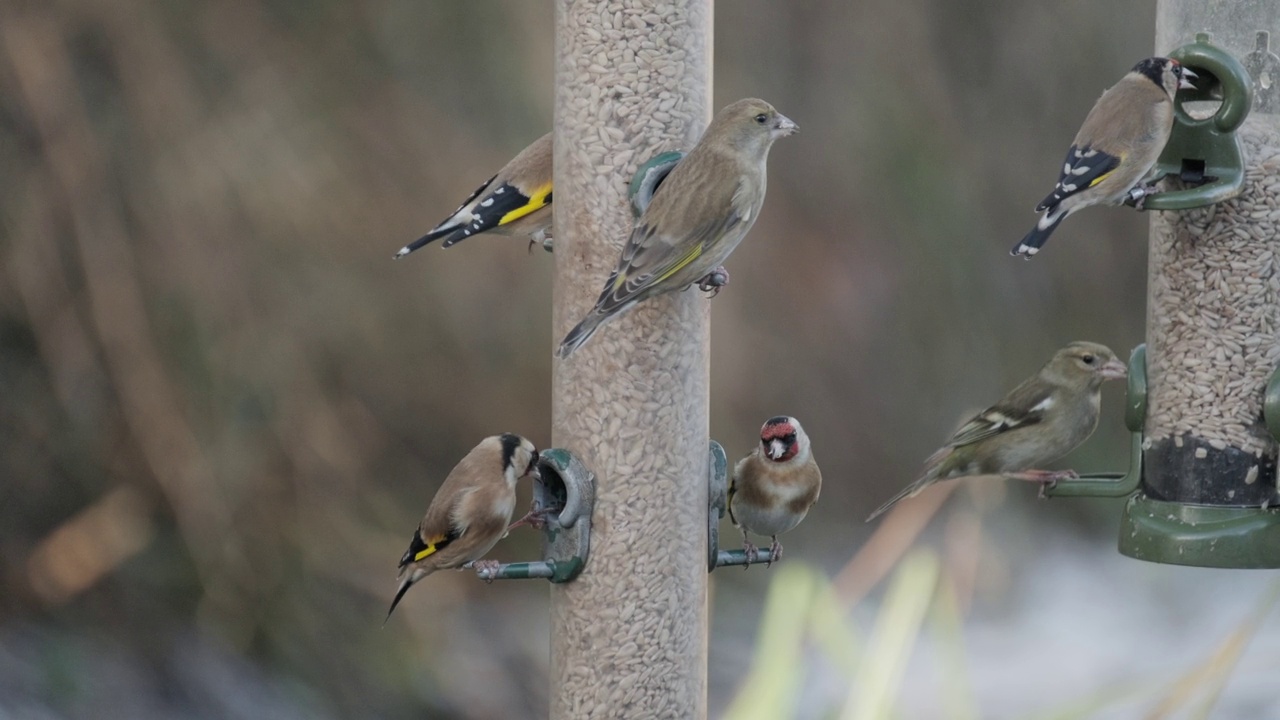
(223, 406)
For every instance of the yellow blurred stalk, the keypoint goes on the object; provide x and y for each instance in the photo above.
(893, 637)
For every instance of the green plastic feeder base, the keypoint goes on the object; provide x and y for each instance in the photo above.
(1220, 537)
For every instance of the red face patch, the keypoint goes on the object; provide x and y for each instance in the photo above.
(781, 430)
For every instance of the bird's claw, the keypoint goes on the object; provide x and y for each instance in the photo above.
(536, 519)
(775, 553)
(1051, 479)
(1048, 479)
(542, 238)
(714, 280)
(753, 553)
(1137, 195)
(486, 569)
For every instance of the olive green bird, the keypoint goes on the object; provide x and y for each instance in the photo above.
(1044, 418)
(697, 217)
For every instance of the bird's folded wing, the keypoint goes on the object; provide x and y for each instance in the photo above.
(1084, 167)
(1023, 407)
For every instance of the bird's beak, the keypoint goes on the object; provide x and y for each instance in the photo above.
(777, 449)
(1184, 83)
(1113, 370)
(785, 126)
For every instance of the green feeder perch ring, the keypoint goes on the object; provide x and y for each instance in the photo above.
(1135, 407)
(1115, 485)
(717, 495)
(566, 489)
(1271, 405)
(1264, 67)
(647, 179)
(1205, 152)
(717, 504)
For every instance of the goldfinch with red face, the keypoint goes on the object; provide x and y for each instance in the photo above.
(1044, 418)
(773, 488)
(697, 216)
(470, 512)
(516, 201)
(1116, 148)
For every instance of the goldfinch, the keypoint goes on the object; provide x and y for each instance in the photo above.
(1116, 148)
(697, 217)
(1041, 420)
(773, 488)
(470, 512)
(516, 201)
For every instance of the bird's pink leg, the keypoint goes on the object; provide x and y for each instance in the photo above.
(775, 552)
(752, 552)
(536, 519)
(1046, 478)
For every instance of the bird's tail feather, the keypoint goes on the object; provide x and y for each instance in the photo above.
(909, 491)
(404, 588)
(440, 232)
(580, 333)
(1039, 234)
(901, 495)
(455, 237)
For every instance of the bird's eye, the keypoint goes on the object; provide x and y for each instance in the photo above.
(1088, 359)
(762, 118)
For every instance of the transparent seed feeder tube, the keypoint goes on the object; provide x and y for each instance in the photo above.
(1212, 345)
(629, 635)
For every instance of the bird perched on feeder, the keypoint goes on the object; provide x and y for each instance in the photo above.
(1041, 420)
(470, 512)
(773, 488)
(516, 201)
(699, 214)
(1116, 148)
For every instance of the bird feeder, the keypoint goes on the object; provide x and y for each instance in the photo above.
(1204, 401)
(629, 634)
(1204, 153)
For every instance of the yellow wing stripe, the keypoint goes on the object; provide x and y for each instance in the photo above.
(1101, 177)
(1107, 174)
(536, 202)
(688, 258)
(429, 549)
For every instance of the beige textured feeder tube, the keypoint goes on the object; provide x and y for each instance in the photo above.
(629, 636)
(1214, 299)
